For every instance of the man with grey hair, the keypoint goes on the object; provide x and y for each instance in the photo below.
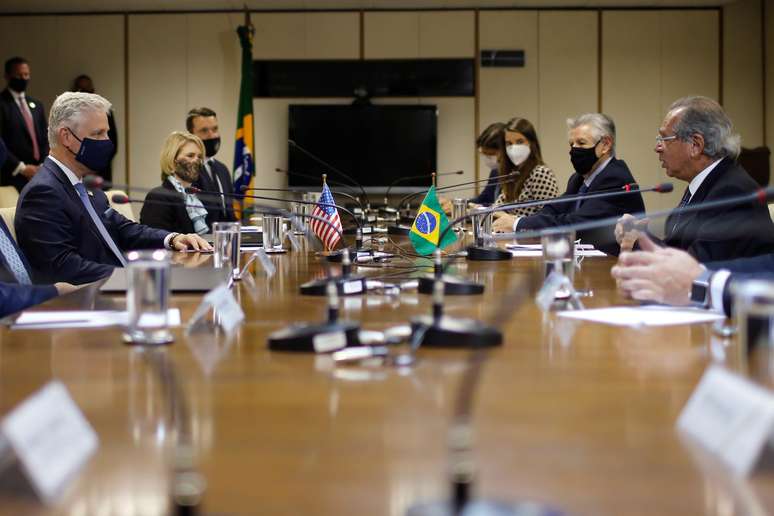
(68, 233)
(696, 143)
(592, 154)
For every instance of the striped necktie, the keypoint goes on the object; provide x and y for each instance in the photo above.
(683, 203)
(13, 259)
(582, 190)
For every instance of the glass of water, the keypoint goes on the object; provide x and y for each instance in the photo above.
(459, 209)
(273, 236)
(147, 297)
(559, 253)
(227, 239)
(754, 312)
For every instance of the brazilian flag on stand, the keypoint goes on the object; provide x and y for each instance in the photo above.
(431, 221)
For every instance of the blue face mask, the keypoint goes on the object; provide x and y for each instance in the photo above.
(94, 154)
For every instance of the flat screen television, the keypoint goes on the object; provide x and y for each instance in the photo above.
(374, 144)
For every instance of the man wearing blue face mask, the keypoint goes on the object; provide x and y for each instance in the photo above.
(69, 233)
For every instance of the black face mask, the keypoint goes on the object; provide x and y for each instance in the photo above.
(18, 84)
(583, 159)
(211, 146)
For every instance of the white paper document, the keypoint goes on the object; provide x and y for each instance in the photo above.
(80, 319)
(644, 315)
(536, 250)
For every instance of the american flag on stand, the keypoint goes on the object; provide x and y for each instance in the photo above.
(329, 236)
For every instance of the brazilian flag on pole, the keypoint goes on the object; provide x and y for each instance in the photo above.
(244, 166)
(431, 221)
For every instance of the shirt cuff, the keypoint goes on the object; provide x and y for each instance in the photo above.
(717, 286)
(516, 224)
(19, 168)
(168, 240)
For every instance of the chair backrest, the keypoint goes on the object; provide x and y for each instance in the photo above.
(756, 163)
(8, 197)
(123, 209)
(8, 214)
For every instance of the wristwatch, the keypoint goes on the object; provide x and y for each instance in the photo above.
(700, 290)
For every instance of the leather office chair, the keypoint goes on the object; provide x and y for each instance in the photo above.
(123, 209)
(756, 163)
(8, 197)
(8, 215)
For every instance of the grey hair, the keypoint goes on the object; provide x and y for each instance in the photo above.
(68, 110)
(600, 124)
(704, 116)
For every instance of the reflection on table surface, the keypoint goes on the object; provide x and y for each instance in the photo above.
(576, 414)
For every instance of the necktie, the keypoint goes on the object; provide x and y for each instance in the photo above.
(27, 115)
(582, 190)
(216, 181)
(13, 259)
(98, 222)
(683, 203)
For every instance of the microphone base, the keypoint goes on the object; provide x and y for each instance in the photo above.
(398, 230)
(482, 507)
(451, 332)
(315, 338)
(338, 256)
(488, 254)
(452, 286)
(352, 285)
(367, 230)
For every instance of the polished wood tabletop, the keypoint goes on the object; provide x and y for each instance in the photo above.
(577, 415)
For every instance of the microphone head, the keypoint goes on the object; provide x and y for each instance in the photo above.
(92, 181)
(664, 188)
(192, 190)
(281, 171)
(119, 198)
(459, 172)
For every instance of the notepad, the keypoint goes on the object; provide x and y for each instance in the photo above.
(46, 320)
(644, 315)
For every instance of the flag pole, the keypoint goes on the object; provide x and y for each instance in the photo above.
(435, 180)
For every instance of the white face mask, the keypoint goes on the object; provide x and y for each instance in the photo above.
(517, 153)
(490, 162)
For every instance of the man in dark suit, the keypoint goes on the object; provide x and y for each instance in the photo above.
(67, 233)
(203, 122)
(22, 125)
(696, 144)
(592, 153)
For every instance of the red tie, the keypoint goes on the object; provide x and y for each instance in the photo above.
(30, 127)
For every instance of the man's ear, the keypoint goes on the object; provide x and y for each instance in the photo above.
(697, 145)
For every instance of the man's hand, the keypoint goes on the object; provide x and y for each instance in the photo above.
(628, 230)
(192, 241)
(660, 274)
(29, 170)
(503, 224)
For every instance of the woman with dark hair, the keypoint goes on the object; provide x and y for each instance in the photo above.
(519, 152)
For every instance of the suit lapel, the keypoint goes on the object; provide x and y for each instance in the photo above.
(85, 219)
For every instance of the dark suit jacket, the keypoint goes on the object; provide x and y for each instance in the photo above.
(15, 297)
(724, 233)
(214, 203)
(59, 238)
(164, 208)
(14, 131)
(613, 177)
(488, 194)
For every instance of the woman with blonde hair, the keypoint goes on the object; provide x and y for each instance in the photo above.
(169, 206)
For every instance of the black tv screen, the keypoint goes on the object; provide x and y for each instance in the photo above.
(375, 145)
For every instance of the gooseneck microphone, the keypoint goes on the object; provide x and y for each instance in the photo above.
(759, 196)
(481, 251)
(411, 178)
(335, 256)
(332, 169)
(246, 189)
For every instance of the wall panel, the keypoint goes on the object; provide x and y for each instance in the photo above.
(391, 35)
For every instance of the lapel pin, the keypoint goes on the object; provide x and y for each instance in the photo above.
(32, 105)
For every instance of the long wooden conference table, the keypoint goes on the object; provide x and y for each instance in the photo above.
(577, 415)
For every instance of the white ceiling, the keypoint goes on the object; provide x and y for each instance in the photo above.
(38, 6)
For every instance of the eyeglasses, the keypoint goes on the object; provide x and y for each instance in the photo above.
(661, 139)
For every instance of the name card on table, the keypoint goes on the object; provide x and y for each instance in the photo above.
(51, 439)
(229, 315)
(294, 243)
(265, 261)
(731, 417)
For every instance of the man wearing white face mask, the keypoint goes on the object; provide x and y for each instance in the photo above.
(592, 153)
